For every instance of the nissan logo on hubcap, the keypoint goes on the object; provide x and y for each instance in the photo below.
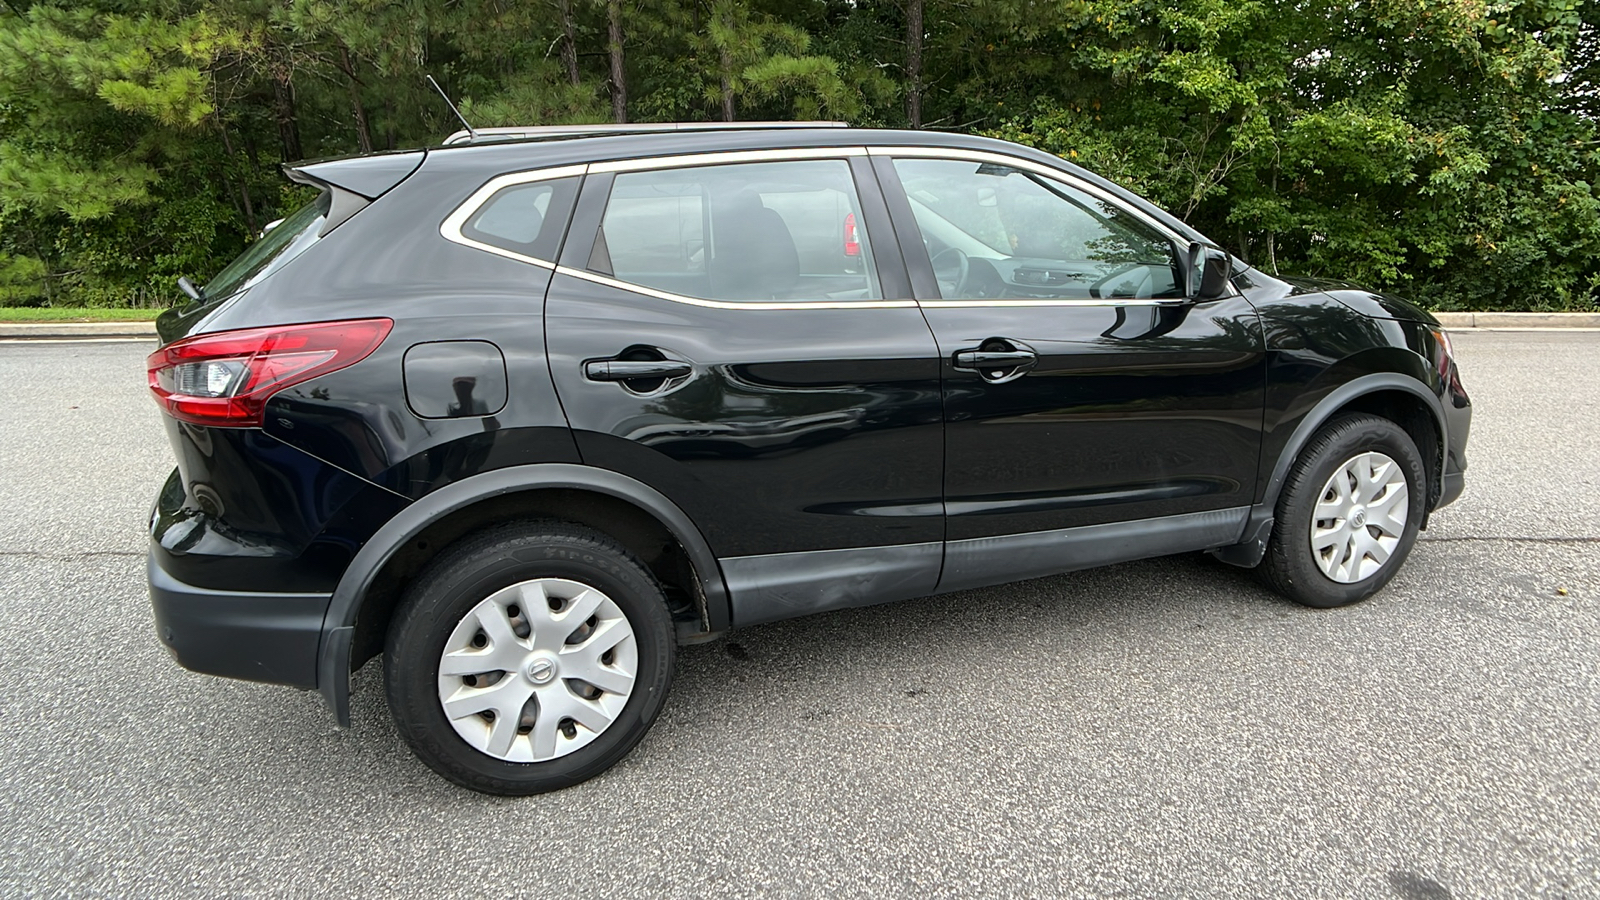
(541, 670)
(1358, 518)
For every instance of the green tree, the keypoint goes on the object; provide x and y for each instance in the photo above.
(1441, 148)
(98, 108)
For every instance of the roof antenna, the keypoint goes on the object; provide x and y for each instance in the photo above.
(452, 106)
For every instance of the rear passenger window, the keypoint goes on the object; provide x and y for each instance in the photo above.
(747, 232)
(527, 219)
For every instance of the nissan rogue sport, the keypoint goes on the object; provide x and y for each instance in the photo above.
(524, 412)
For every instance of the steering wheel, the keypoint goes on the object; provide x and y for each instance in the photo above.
(1125, 268)
(950, 270)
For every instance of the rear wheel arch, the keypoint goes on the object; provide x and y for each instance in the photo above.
(631, 512)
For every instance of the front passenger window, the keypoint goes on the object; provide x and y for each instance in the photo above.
(998, 232)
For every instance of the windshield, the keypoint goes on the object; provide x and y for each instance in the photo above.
(283, 243)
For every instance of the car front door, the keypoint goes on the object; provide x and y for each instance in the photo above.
(737, 332)
(1093, 413)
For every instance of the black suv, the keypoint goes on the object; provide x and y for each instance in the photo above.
(523, 413)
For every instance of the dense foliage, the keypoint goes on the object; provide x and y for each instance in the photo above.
(1442, 149)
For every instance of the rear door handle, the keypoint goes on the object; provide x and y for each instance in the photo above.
(994, 359)
(630, 369)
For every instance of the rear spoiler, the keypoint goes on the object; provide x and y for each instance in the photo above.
(354, 181)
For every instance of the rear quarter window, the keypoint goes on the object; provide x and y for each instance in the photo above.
(526, 219)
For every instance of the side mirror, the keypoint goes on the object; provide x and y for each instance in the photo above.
(1209, 271)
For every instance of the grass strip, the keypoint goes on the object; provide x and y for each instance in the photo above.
(24, 314)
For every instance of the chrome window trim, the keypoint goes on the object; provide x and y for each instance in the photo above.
(1065, 301)
(733, 304)
(451, 227)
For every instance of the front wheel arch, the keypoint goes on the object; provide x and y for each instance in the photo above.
(1396, 396)
(1387, 394)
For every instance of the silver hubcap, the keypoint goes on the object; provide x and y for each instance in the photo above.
(538, 670)
(1359, 517)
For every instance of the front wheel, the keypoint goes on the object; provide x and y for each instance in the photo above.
(528, 658)
(1348, 515)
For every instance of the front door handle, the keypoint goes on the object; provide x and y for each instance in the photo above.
(631, 369)
(997, 360)
(994, 359)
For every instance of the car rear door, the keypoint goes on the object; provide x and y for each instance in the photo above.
(736, 331)
(1093, 414)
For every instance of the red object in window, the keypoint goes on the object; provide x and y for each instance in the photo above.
(226, 378)
(852, 243)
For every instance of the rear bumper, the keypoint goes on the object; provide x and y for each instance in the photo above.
(1453, 484)
(236, 634)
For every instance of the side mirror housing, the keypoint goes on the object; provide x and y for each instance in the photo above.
(1209, 271)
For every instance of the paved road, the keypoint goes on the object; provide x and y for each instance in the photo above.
(1162, 728)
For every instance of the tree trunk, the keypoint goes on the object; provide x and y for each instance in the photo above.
(363, 133)
(569, 40)
(619, 79)
(727, 86)
(1272, 239)
(284, 111)
(248, 208)
(250, 151)
(914, 62)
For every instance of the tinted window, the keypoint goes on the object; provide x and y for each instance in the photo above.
(519, 218)
(747, 232)
(282, 242)
(1003, 233)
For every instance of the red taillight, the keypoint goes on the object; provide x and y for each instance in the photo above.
(226, 378)
(1447, 353)
(852, 242)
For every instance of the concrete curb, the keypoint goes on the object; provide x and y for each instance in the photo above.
(1518, 319)
(68, 330)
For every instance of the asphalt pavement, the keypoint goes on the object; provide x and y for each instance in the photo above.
(1165, 728)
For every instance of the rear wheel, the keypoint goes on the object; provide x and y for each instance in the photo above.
(528, 658)
(1349, 513)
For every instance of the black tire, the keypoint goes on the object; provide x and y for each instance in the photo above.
(1290, 567)
(467, 573)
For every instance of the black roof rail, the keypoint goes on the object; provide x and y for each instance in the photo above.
(523, 132)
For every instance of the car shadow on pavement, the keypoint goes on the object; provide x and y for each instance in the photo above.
(860, 668)
(805, 667)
